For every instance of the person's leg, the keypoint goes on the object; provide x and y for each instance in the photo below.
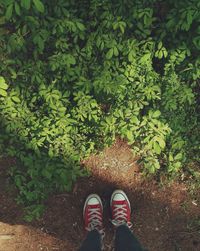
(121, 219)
(92, 242)
(93, 219)
(125, 240)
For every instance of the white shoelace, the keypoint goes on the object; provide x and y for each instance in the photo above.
(120, 216)
(95, 219)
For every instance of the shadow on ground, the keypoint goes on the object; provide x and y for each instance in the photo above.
(164, 218)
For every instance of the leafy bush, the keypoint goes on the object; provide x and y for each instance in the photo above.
(76, 74)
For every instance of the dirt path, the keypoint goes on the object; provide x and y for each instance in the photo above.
(165, 217)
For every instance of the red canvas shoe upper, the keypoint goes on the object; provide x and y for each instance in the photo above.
(120, 209)
(93, 213)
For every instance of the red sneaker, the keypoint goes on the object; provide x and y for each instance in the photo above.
(120, 208)
(93, 213)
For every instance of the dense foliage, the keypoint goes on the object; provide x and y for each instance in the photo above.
(76, 74)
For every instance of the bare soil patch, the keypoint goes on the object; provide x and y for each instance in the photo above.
(165, 217)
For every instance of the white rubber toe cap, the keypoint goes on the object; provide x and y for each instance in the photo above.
(93, 201)
(118, 197)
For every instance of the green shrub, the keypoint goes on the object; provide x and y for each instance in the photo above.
(76, 74)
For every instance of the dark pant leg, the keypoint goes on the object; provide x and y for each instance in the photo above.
(92, 242)
(125, 240)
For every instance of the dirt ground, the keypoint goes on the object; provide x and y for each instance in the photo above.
(165, 216)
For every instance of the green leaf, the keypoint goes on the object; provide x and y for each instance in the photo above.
(9, 11)
(72, 60)
(161, 142)
(171, 157)
(15, 99)
(159, 45)
(17, 8)
(177, 165)
(116, 52)
(145, 58)
(3, 84)
(121, 27)
(115, 25)
(156, 114)
(3, 93)
(131, 56)
(62, 109)
(156, 147)
(39, 5)
(109, 54)
(2, 80)
(50, 153)
(26, 4)
(80, 26)
(178, 156)
(165, 53)
(160, 54)
(135, 120)
(129, 135)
